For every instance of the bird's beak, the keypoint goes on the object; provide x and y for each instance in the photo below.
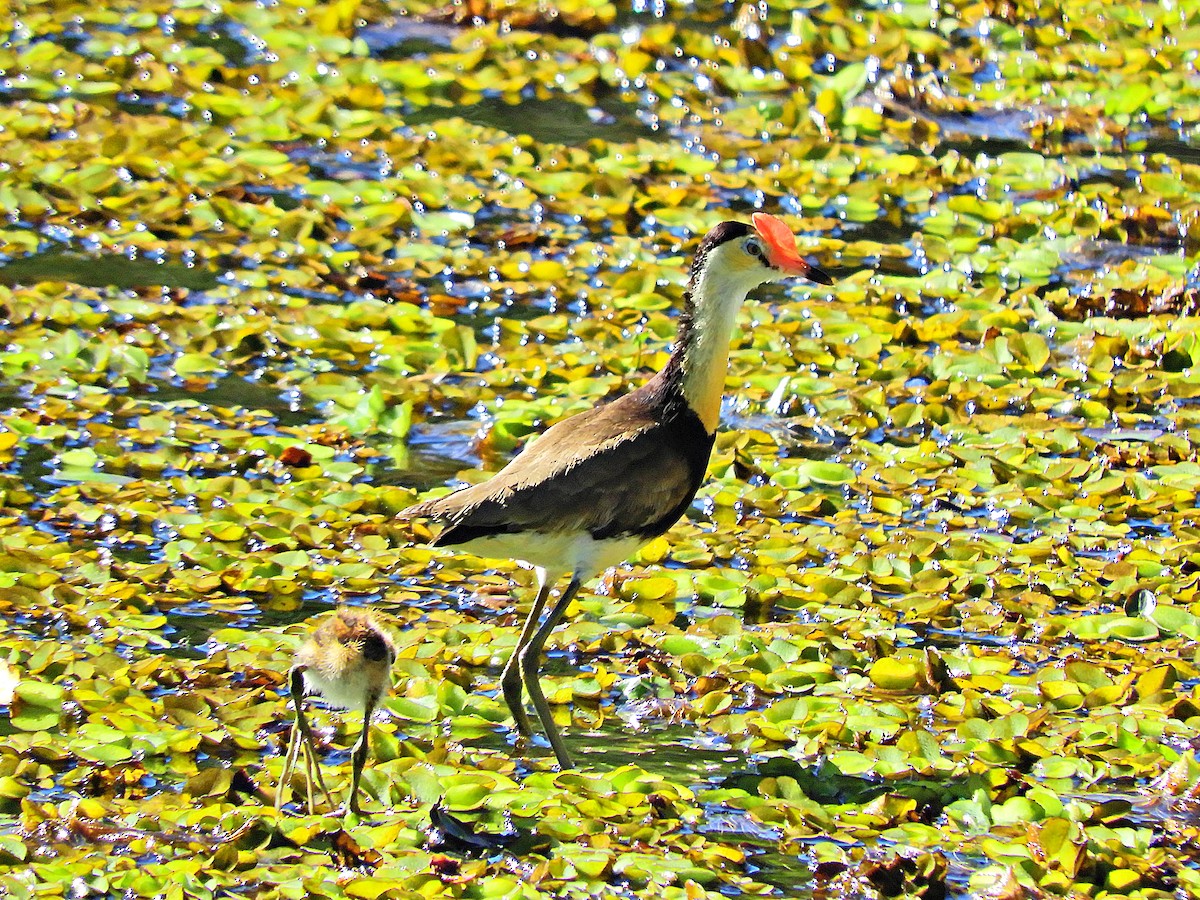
(781, 249)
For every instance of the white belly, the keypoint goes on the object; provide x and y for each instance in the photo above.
(562, 553)
(350, 691)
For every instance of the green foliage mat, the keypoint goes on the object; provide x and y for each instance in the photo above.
(271, 270)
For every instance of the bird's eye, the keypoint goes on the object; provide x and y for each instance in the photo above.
(754, 247)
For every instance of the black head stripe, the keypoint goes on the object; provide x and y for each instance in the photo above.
(374, 647)
(726, 231)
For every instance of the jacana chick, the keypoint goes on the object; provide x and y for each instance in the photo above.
(348, 662)
(597, 486)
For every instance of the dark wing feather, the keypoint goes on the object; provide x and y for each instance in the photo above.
(616, 469)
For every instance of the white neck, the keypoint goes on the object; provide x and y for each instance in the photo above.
(705, 354)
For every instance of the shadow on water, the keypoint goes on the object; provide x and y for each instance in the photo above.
(235, 391)
(12, 398)
(670, 750)
(677, 753)
(986, 146)
(105, 270)
(554, 121)
(1176, 148)
(420, 470)
(687, 754)
(434, 454)
(684, 754)
(664, 749)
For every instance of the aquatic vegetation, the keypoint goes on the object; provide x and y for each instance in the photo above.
(271, 272)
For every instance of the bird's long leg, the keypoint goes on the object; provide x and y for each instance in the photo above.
(359, 756)
(531, 654)
(312, 771)
(510, 678)
(293, 751)
(289, 765)
(312, 767)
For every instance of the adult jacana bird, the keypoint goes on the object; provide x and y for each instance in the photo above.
(348, 662)
(597, 486)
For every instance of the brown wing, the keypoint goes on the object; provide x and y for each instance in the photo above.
(616, 469)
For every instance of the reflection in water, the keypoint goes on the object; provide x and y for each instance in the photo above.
(553, 121)
(105, 270)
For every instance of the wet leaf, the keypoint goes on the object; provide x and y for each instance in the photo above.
(895, 675)
(37, 705)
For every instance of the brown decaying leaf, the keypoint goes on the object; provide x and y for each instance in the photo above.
(80, 830)
(296, 457)
(514, 237)
(347, 853)
(387, 286)
(1131, 303)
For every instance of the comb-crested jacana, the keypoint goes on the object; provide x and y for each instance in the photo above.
(597, 486)
(348, 662)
